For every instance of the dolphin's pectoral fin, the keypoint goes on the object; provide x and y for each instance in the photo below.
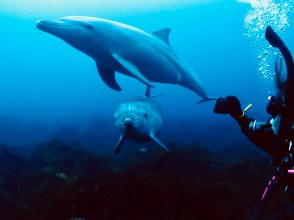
(119, 144)
(132, 69)
(108, 77)
(156, 140)
(163, 34)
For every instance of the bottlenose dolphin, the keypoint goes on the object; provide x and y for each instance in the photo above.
(118, 47)
(139, 120)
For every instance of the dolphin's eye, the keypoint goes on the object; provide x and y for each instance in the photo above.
(89, 26)
(145, 115)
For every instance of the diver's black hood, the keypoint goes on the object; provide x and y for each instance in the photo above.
(285, 131)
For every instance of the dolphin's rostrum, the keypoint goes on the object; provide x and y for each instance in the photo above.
(117, 47)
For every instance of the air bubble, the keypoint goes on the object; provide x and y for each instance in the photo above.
(261, 14)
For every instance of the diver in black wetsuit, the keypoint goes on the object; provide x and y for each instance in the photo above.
(276, 136)
(268, 135)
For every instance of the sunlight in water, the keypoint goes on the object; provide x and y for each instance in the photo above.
(262, 14)
(53, 7)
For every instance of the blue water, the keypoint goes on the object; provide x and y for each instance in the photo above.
(57, 133)
(46, 83)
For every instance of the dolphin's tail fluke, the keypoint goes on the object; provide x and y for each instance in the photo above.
(207, 99)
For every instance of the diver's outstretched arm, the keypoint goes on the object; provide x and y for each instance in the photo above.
(259, 133)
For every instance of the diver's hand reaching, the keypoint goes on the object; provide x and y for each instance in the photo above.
(228, 105)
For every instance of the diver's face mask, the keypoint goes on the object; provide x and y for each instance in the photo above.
(274, 105)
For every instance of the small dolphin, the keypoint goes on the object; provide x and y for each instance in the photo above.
(118, 47)
(138, 119)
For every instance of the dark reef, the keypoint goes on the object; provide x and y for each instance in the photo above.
(62, 180)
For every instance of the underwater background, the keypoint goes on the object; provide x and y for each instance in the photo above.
(57, 132)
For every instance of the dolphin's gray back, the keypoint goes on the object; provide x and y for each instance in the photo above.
(153, 57)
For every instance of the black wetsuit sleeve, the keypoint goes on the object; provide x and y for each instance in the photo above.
(259, 133)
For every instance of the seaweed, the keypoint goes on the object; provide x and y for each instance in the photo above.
(63, 180)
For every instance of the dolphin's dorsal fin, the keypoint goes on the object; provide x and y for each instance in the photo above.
(119, 144)
(163, 34)
(108, 77)
(156, 140)
(132, 69)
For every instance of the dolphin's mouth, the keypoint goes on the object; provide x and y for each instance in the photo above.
(131, 119)
(46, 23)
(128, 120)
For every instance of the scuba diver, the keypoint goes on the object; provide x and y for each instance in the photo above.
(276, 136)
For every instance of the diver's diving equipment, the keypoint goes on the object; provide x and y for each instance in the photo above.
(274, 105)
(230, 105)
(287, 116)
(283, 152)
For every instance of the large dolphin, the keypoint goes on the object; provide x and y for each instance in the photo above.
(118, 47)
(139, 120)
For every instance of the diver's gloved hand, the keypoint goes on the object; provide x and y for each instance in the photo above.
(228, 105)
